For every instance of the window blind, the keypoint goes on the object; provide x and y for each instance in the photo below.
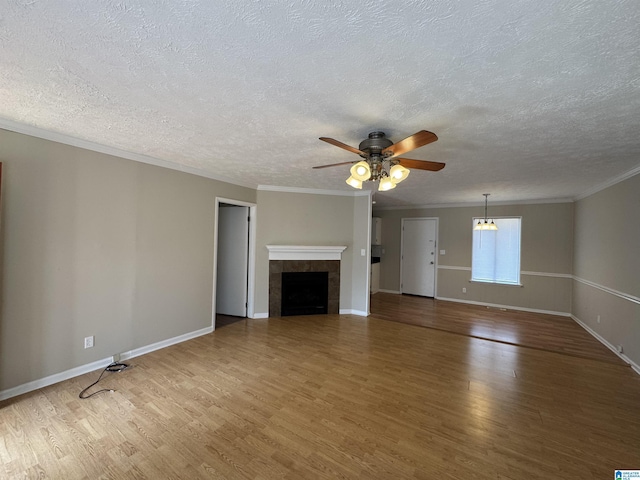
(496, 253)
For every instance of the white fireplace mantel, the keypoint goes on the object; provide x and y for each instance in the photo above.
(305, 252)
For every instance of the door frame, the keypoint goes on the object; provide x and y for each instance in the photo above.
(251, 261)
(436, 255)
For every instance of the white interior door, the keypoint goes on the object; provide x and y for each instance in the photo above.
(233, 254)
(418, 264)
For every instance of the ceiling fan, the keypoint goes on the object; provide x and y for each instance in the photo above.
(381, 161)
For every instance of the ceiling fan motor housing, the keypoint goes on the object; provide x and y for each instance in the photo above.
(376, 142)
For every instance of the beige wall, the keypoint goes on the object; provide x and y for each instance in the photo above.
(98, 245)
(547, 243)
(361, 264)
(607, 265)
(286, 218)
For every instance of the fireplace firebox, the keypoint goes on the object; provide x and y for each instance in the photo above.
(278, 267)
(304, 293)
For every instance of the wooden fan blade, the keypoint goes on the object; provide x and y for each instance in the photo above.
(421, 164)
(335, 164)
(416, 140)
(342, 145)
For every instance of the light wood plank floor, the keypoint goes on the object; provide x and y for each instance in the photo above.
(544, 332)
(224, 320)
(333, 396)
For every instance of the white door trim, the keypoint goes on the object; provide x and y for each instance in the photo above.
(251, 273)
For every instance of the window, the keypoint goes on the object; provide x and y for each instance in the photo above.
(496, 253)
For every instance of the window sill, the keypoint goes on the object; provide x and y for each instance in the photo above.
(483, 282)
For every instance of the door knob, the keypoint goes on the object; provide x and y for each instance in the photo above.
(431, 263)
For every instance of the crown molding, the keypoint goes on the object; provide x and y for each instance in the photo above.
(478, 204)
(65, 139)
(313, 191)
(609, 183)
(62, 138)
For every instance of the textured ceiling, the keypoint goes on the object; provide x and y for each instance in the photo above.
(530, 100)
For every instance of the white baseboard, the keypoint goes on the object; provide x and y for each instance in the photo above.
(97, 365)
(596, 335)
(55, 378)
(341, 312)
(506, 307)
(360, 313)
(164, 343)
(607, 344)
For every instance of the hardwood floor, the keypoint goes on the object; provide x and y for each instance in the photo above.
(224, 320)
(543, 332)
(333, 396)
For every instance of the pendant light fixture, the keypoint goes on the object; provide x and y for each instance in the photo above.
(486, 225)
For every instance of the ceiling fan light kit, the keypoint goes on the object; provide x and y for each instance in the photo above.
(354, 182)
(380, 161)
(361, 171)
(386, 183)
(486, 225)
(398, 173)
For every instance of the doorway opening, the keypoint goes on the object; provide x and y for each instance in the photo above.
(234, 261)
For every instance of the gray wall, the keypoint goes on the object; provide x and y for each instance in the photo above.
(286, 218)
(607, 265)
(98, 245)
(547, 243)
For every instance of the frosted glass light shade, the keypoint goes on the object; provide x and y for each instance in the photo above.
(398, 173)
(361, 171)
(486, 226)
(354, 182)
(386, 184)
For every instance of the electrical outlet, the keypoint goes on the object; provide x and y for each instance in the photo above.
(464, 289)
(598, 318)
(88, 342)
(116, 357)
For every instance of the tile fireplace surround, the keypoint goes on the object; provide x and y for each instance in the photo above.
(301, 258)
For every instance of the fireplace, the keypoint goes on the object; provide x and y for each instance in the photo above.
(286, 259)
(304, 293)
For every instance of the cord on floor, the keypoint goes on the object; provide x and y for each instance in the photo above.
(114, 367)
